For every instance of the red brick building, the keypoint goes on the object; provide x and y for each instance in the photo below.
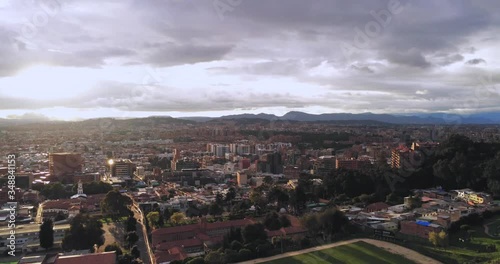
(352, 164)
(177, 243)
(419, 229)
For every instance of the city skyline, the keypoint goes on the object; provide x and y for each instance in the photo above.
(79, 60)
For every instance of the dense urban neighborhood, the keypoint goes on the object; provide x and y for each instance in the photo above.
(164, 190)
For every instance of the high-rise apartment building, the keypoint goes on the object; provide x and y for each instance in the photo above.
(122, 168)
(64, 165)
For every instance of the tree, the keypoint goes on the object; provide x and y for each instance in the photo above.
(272, 221)
(129, 259)
(177, 218)
(60, 216)
(114, 247)
(285, 222)
(236, 245)
(434, 238)
(231, 194)
(47, 234)
(438, 239)
(245, 254)
(310, 221)
(414, 202)
(257, 197)
(254, 232)
(268, 180)
(161, 220)
(305, 242)
(393, 199)
(114, 203)
(234, 235)
(131, 224)
(214, 257)
(84, 232)
(215, 209)
(94, 187)
(332, 221)
(131, 238)
(135, 252)
(153, 218)
(277, 194)
(219, 199)
(239, 207)
(443, 238)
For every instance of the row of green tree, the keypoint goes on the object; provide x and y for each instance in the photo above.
(461, 163)
(54, 191)
(457, 163)
(132, 254)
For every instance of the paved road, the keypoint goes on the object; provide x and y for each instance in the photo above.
(393, 248)
(143, 243)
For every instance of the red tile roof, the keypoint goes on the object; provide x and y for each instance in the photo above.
(186, 243)
(229, 224)
(292, 230)
(376, 207)
(100, 258)
(165, 256)
(274, 233)
(176, 229)
(58, 204)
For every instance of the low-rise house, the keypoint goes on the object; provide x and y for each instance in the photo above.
(177, 243)
(69, 258)
(419, 228)
(375, 207)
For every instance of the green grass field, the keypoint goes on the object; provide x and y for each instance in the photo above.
(359, 252)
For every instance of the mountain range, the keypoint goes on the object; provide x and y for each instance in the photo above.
(434, 118)
(344, 118)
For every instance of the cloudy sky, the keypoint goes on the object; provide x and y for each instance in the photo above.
(71, 59)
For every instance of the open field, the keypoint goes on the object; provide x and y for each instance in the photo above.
(351, 251)
(358, 252)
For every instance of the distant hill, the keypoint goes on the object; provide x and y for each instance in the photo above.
(99, 123)
(436, 118)
(337, 118)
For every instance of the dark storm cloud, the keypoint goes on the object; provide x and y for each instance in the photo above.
(416, 59)
(171, 54)
(475, 61)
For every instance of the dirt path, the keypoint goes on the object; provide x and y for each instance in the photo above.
(113, 232)
(393, 248)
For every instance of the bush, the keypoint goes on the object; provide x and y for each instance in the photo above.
(114, 247)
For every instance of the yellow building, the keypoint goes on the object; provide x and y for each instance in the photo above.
(241, 178)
